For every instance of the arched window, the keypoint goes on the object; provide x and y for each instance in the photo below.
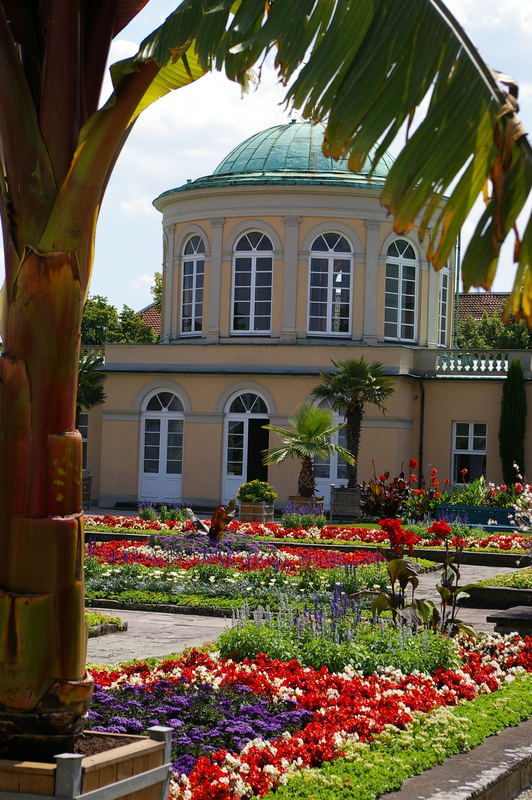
(331, 267)
(252, 284)
(161, 457)
(192, 286)
(400, 310)
(443, 308)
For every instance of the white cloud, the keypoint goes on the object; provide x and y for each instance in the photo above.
(143, 283)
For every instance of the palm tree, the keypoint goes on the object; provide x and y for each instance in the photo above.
(90, 382)
(368, 64)
(354, 384)
(309, 438)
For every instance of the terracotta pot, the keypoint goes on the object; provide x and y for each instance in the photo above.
(144, 764)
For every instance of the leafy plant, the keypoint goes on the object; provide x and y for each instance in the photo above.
(309, 438)
(348, 389)
(257, 492)
(380, 498)
(512, 425)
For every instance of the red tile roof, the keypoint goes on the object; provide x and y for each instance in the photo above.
(152, 316)
(475, 303)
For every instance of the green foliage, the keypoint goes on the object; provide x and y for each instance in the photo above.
(363, 646)
(133, 329)
(491, 332)
(257, 492)
(157, 290)
(93, 618)
(230, 587)
(369, 770)
(90, 382)
(102, 324)
(512, 426)
(309, 438)
(348, 389)
(518, 579)
(294, 519)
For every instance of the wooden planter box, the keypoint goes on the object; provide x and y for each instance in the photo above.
(141, 769)
(345, 504)
(311, 502)
(476, 515)
(255, 512)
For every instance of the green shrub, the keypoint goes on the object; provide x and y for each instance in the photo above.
(257, 492)
(364, 646)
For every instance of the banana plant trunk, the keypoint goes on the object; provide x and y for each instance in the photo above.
(44, 689)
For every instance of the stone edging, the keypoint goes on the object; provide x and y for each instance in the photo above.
(105, 628)
(499, 768)
(497, 597)
(161, 608)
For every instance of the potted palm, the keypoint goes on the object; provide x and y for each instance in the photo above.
(308, 438)
(255, 501)
(354, 383)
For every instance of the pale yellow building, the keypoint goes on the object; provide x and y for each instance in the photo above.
(277, 264)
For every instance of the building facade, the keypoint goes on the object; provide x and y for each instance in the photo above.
(279, 263)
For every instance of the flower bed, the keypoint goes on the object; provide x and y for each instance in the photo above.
(161, 573)
(476, 539)
(242, 729)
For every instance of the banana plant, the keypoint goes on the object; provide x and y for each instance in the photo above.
(367, 64)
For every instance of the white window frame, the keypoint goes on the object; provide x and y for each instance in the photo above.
(443, 308)
(456, 476)
(330, 255)
(196, 258)
(401, 262)
(253, 254)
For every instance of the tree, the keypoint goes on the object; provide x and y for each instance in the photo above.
(102, 324)
(512, 426)
(133, 329)
(309, 438)
(354, 384)
(90, 391)
(491, 331)
(367, 65)
(157, 290)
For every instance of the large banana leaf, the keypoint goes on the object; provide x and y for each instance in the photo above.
(364, 66)
(367, 66)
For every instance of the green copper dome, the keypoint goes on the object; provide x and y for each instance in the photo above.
(296, 147)
(287, 155)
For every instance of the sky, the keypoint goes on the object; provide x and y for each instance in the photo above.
(187, 133)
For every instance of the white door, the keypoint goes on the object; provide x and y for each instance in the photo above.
(244, 441)
(161, 451)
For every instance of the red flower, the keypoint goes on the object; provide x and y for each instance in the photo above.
(440, 529)
(382, 478)
(437, 495)
(518, 487)
(412, 465)
(434, 472)
(464, 471)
